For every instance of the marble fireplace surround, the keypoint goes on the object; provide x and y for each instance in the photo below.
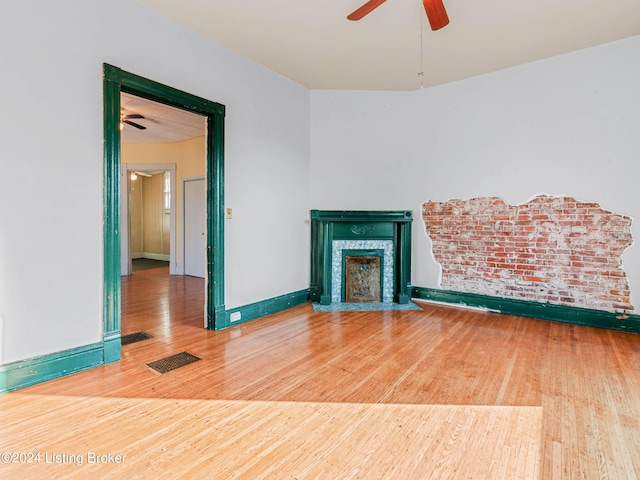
(335, 231)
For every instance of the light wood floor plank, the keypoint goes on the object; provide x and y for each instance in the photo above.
(411, 394)
(162, 438)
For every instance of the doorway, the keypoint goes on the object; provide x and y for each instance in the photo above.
(148, 215)
(116, 81)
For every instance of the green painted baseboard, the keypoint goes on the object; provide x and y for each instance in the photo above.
(111, 347)
(544, 311)
(24, 373)
(28, 372)
(252, 311)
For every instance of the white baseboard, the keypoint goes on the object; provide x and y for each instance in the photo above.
(155, 256)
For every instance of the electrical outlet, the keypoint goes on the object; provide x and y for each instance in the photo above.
(235, 316)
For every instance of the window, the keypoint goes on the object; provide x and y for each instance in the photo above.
(167, 191)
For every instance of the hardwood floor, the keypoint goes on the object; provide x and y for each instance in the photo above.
(437, 393)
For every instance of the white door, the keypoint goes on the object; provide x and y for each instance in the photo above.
(195, 230)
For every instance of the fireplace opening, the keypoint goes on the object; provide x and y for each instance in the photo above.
(362, 278)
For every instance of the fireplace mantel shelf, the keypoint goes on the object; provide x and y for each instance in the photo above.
(343, 226)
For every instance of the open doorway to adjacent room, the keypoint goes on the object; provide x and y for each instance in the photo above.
(148, 218)
(162, 149)
(134, 101)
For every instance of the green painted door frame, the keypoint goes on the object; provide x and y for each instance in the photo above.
(115, 81)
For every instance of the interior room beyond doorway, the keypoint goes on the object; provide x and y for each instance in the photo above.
(161, 146)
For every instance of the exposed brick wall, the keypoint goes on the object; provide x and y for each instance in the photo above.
(553, 250)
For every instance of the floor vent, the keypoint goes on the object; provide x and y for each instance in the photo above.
(134, 337)
(178, 360)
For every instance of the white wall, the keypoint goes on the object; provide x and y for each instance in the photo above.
(567, 125)
(51, 56)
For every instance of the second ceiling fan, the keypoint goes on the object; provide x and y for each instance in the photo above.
(127, 119)
(436, 13)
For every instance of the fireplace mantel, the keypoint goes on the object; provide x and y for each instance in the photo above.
(328, 226)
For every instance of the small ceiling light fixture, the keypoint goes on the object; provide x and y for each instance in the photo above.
(133, 176)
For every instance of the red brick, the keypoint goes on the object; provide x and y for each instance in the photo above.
(532, 279)
(564, 241)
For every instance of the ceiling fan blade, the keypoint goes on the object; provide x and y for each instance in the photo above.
(132, 115)
(436, 13)
(142, 174)
(365, 9)
(133, 124)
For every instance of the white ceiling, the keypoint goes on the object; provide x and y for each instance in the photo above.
(164, 124)
(312, 42)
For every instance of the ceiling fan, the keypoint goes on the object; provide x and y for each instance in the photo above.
(127, 119)
(436, 13)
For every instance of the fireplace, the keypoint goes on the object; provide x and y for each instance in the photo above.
(360, 256)
(363, 277)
